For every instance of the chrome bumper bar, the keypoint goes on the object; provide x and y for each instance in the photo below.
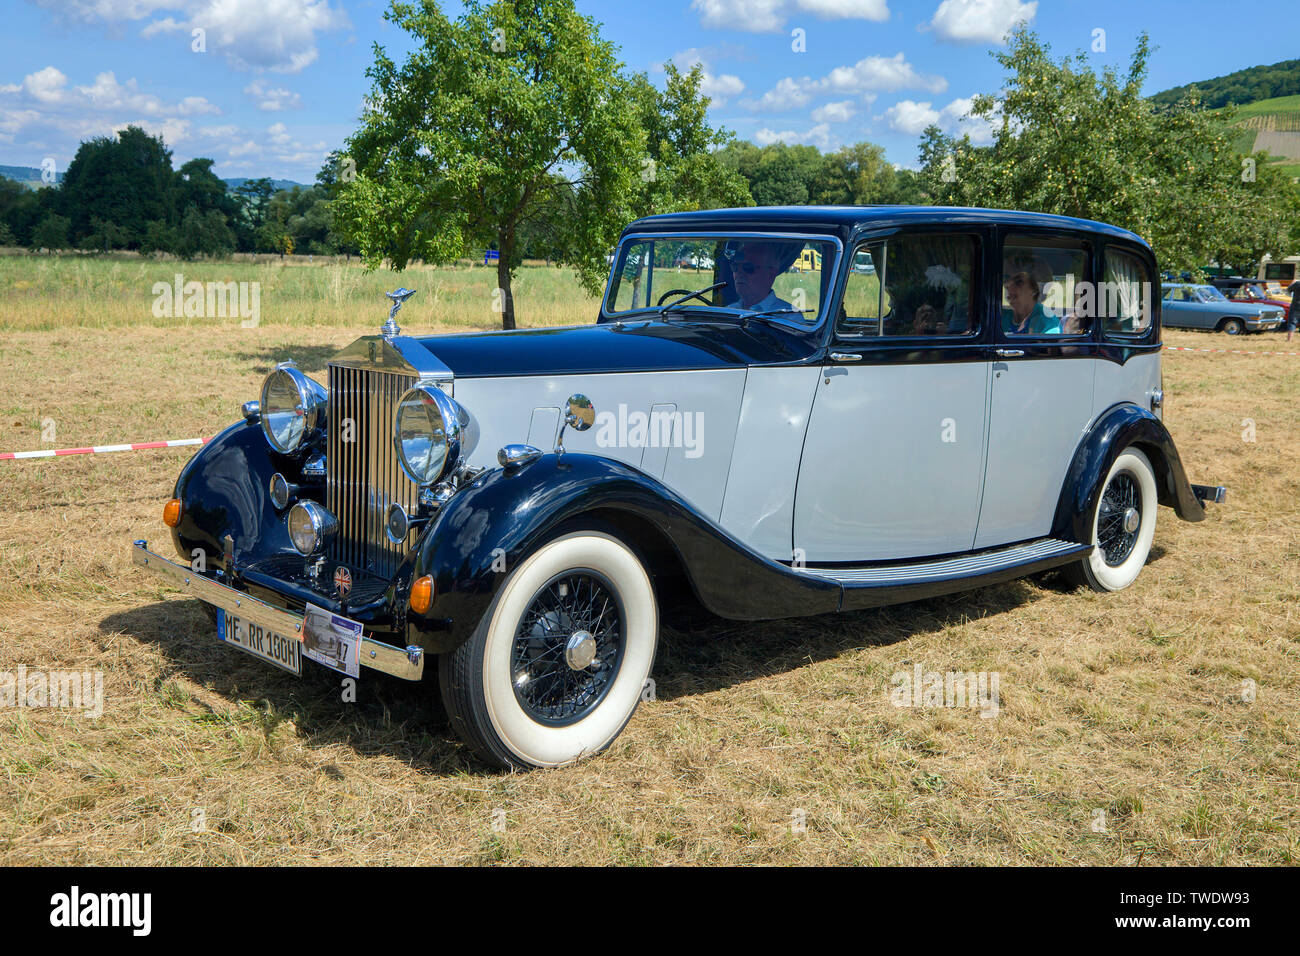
(407, 663)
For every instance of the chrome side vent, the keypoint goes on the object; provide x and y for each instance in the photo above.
(364, 476)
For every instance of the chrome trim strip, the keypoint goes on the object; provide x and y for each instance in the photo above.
(407, 663)
(964, 566)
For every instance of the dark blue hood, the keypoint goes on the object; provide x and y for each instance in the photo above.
(642, 346)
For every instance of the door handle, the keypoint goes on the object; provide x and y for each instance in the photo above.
(1008, 353)
(845, 357)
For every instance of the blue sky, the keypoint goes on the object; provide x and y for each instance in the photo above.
(280, 82)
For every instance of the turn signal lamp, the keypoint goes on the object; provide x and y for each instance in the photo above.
(422, 594)
(172, 513)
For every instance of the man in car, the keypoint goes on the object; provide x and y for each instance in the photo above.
(754, 267)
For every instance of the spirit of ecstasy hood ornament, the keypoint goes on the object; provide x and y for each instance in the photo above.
(399, 296)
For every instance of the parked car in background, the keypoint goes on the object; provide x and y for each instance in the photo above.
(1240, 289)
(514, 508)
(1191, 306)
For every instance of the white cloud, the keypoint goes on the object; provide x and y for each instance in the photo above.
(908, 116)
(883, 73)
(788, 93)
(770, 16)
(279, 134)
(49, 88)
(839, 112)
(864, 78)
(276, 35)
(980, 21)
(819, 136)
(717, 87)
(272, 99)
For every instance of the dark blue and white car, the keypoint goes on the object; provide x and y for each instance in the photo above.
(1188, 305)
(948, 398)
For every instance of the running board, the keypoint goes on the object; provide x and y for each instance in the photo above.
(879, 584)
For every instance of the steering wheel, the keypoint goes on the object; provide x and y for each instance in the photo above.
(686, 292)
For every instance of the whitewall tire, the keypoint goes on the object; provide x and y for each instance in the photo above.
(1123, 525)
(558, 665)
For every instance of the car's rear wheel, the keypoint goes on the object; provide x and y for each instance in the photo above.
(558, 664)
(1123, 526)
(1232, 326)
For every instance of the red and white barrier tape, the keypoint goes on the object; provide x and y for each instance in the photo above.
(1184, 348)
(102, 449)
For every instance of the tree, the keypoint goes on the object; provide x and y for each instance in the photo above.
(51, 233)
(125, 181)
(682, 169)
(463, 143)
(1069, 141)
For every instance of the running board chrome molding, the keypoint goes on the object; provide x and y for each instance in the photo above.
(874, 585)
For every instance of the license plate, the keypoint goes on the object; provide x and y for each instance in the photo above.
(284, 652)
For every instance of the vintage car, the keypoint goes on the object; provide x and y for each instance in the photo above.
(982, 403)
(1191, 306)
(1252, 292)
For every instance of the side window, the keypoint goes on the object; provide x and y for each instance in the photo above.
(862, 306)
(918, 285)
(1045, 287)
(1124, 297)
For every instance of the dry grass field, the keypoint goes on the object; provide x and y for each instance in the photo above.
(1131, 704)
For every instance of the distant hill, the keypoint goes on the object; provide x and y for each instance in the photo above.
(27, 175)
(1245, 86)
(277, 184)
(1267, 109)
(30, 176)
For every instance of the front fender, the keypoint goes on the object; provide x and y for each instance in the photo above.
(504, 515)
(1116, 429)
(223, 491)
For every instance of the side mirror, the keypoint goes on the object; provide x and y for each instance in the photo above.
(580, 416)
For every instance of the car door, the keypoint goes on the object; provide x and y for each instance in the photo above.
(894, 453)
(1041, 383)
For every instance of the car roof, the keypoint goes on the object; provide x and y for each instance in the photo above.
(844, 218)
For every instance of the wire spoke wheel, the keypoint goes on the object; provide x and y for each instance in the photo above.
(1119, 518)
(568, 647)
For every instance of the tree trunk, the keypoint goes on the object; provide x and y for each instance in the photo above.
(505, 254)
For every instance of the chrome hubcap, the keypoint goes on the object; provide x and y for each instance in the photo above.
(580, 651)
(1131, 520)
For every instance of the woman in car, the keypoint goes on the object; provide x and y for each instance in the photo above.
(1025, 314)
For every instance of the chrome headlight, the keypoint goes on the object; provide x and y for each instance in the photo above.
(429, 433)
(311, 527)
(293, 408)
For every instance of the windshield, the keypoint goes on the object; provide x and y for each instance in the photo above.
(1208, 293)
(788, 279)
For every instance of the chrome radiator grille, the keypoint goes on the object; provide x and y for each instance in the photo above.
(364, 476)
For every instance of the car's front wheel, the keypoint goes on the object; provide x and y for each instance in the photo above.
(559, 663)
(1232, 326)
(1123, 526)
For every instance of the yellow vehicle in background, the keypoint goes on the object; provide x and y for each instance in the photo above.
(810, 260)
(1278, 276)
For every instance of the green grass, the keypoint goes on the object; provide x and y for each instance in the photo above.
(45, 292)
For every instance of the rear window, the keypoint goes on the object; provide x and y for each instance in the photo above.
(911, 286)
(1124, 296)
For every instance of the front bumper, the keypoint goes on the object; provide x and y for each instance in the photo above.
(1263, 325)
(406, 663)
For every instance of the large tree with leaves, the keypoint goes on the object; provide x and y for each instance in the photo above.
(467, 139)
(1068, 140)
